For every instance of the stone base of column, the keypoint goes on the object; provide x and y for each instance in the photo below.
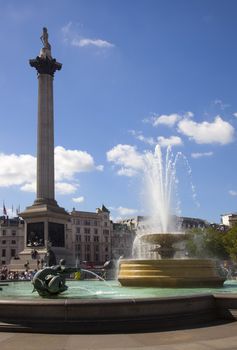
(44, 207)
(25, 262)
(46, 226)
(42, 201)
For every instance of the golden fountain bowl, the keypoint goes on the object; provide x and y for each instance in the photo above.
(169, 273)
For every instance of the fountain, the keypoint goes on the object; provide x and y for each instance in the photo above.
(160, 235)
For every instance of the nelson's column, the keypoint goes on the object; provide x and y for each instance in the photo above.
(45, 221)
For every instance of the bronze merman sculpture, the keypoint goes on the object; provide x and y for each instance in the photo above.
(50, 281)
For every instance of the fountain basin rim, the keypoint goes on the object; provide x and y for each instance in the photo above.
(69, 301)
(106, 316)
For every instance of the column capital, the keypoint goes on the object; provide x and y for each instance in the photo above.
(45, 65)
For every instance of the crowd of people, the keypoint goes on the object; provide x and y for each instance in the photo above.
(6, 274)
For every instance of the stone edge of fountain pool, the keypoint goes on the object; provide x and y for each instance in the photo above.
(115, 316)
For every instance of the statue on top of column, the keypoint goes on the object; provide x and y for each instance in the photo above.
(45, 63)
(46, 50)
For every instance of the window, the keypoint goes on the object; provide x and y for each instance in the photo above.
(13, 241)
(78, 238)
(56, 234)
(87, 222)
(4, 241)
(87, 231)
(96, 238)
(106, 232)
(13, 232)
(78, 230)
(3, 253)
(95, 223)
(106, 249)
(96, 231)
(87, 248)
(105, 224)
(13, 253)
(4, 232)
(87, 238)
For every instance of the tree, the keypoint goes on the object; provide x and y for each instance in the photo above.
(207, 243)
(230, 243)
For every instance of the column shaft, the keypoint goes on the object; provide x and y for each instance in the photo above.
(45, 146)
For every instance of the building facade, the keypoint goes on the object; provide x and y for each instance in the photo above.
(229, 220)
(11, 239)
(91, 236)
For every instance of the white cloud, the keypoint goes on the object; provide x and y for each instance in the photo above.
(100, 167)
(65, 188)
(71, 36)
(91, 42)
(123, 212)
(233, 193)
(29, 187)
(127, 172)
(16, 169)
(139, 136)
(20, 170)
(62, 188)
(235, 114)
(70, 162)
(126, 211)
(203, 154)
(129, 160)
(168, 120)
(78, 199)
(220, 103)
(127, 157)
(66, 31)
(171, 141)
(188, 115)
(219, 131)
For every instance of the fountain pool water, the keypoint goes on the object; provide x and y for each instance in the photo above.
(97, 290)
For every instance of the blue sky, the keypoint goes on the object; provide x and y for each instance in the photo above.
(135, 73)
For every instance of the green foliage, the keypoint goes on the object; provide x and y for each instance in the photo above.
(230, 243)
(207, 243)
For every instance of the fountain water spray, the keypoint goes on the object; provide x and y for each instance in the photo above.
(160, 190)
